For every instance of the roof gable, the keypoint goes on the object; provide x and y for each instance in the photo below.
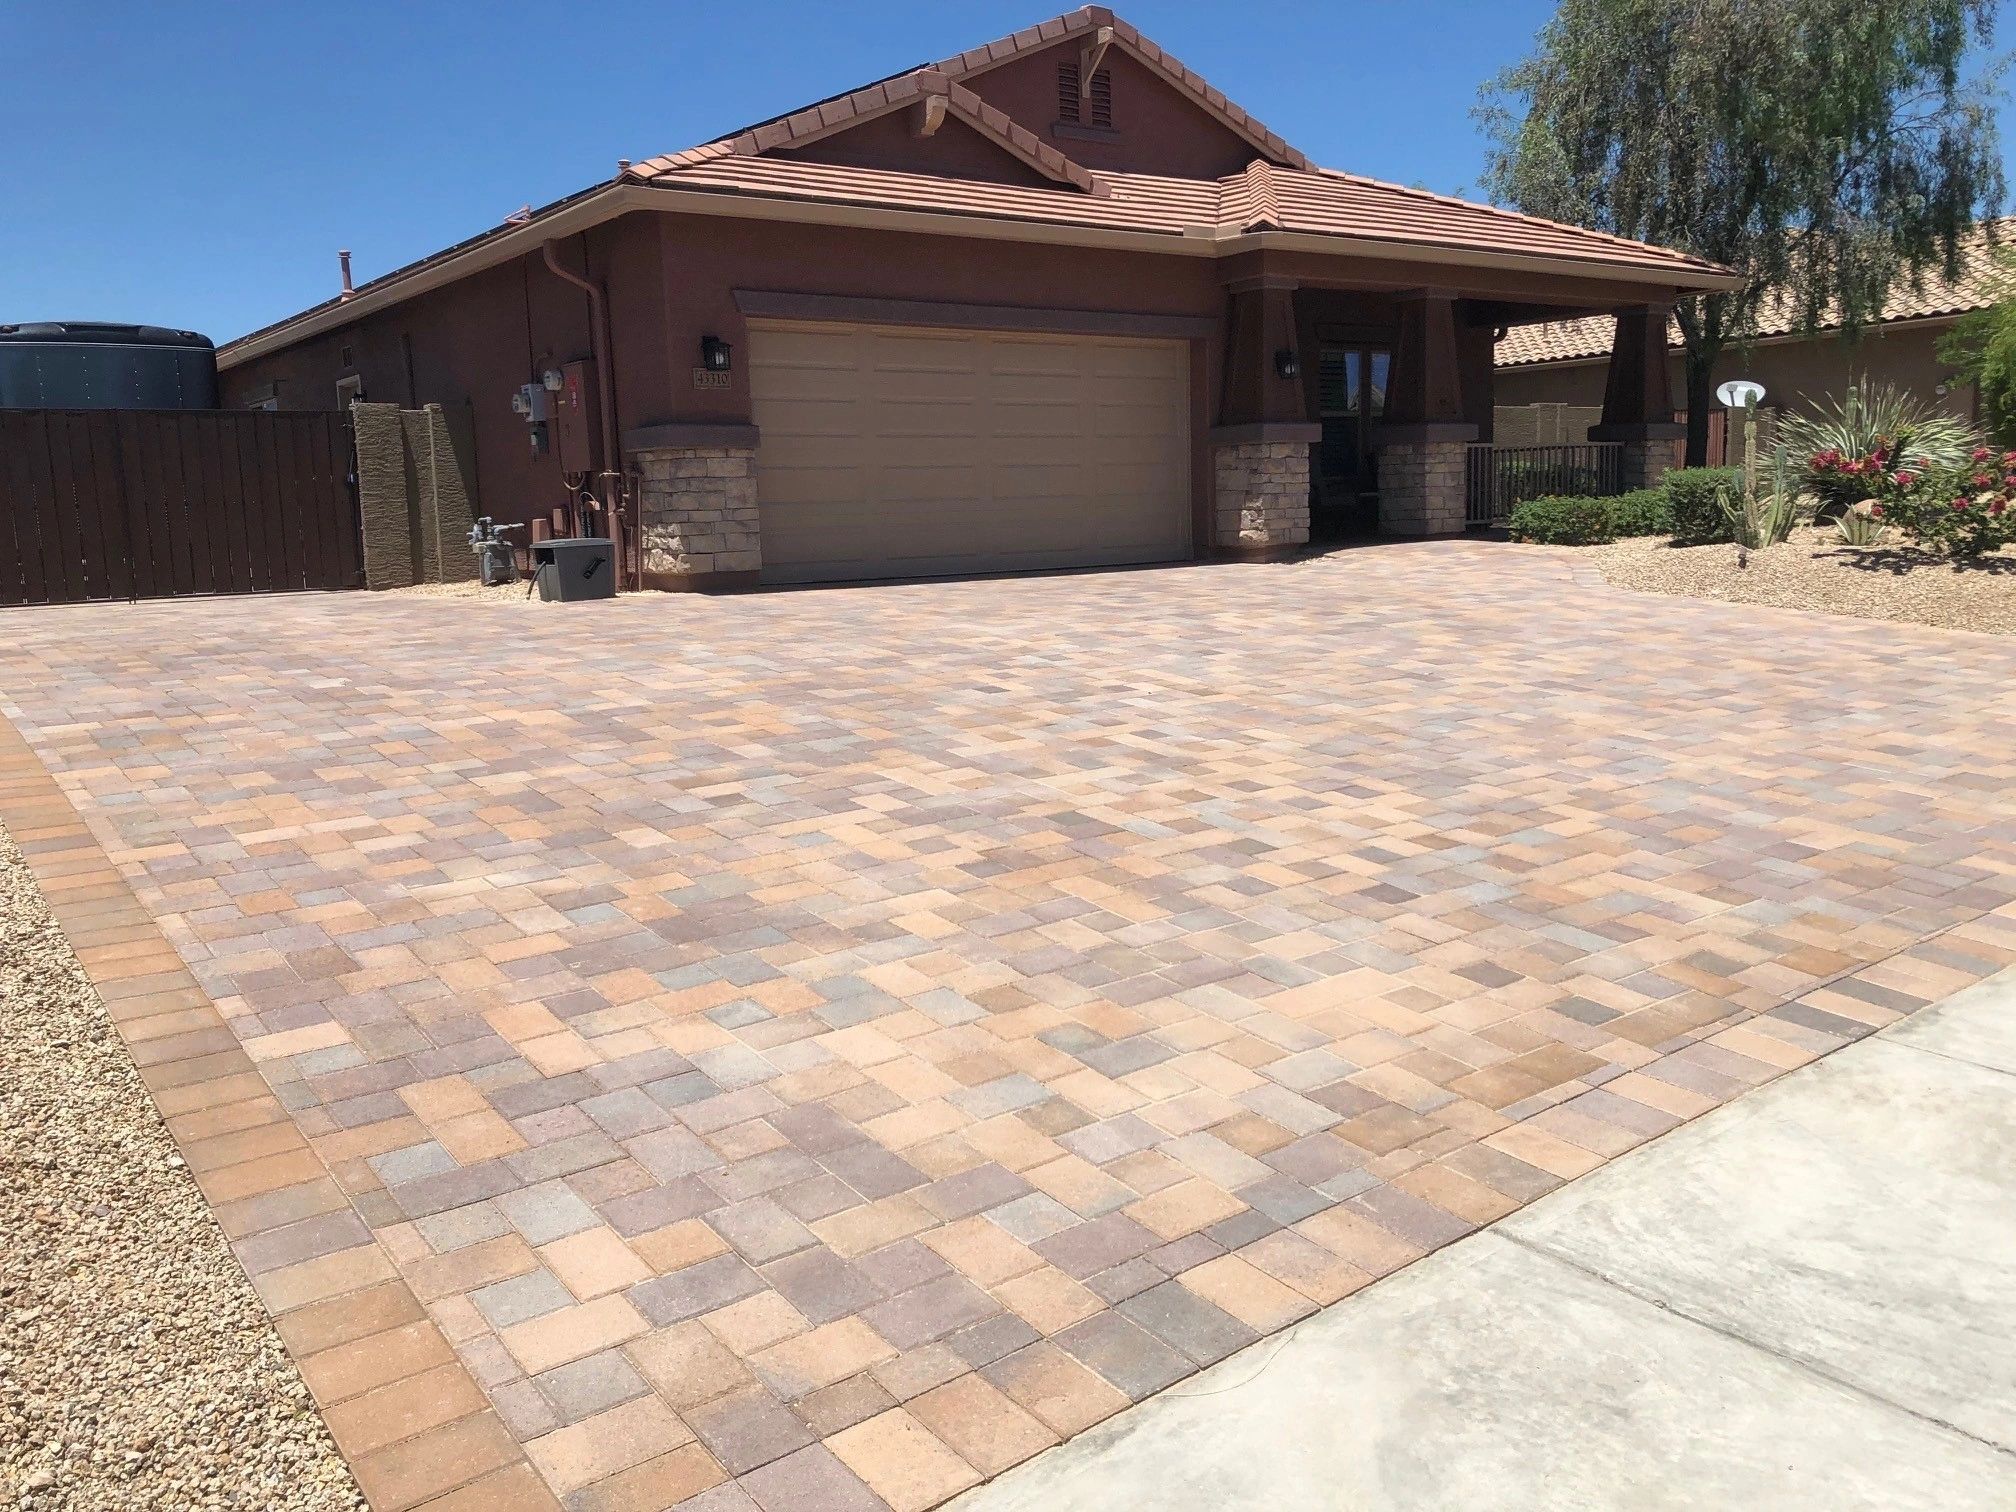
(1100, 33)
(926, 94)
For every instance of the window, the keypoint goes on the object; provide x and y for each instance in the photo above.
(1350, 400)
(1073, 109)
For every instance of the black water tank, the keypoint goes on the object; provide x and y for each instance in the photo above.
(87, 364)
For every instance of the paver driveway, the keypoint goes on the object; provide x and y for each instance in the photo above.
(847, 1041)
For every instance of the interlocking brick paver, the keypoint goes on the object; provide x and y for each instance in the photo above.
(855, 1002)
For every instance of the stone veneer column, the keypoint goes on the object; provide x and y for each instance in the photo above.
(1645, 452)
(696, 506)
(1421, 479)
(1260, 488)
(1643, 463)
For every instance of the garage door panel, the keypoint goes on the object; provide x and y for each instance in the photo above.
(898, 452)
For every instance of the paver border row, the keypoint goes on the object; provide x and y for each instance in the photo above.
(417, 1431)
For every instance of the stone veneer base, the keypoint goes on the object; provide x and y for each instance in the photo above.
(697, 516)
(1262, 499)
(1421, 487)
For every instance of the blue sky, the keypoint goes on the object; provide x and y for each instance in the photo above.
(198, 165)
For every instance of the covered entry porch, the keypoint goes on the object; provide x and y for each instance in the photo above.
(1350, 408)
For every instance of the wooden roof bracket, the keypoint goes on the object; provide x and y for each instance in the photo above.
(927, 115)
(1090, 56)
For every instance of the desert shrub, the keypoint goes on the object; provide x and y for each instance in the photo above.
(1694, 495)
(1642, 512)
(1871, 428)
(1964, 512)
(1562, 521)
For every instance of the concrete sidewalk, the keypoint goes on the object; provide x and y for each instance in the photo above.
(1806, 1299)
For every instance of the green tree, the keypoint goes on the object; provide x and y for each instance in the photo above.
(1981, 347)
(1825, 149)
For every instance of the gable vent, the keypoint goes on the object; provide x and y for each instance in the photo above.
(1074, 111)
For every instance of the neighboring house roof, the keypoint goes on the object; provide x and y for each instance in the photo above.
(1278, 194)
(1935, 295)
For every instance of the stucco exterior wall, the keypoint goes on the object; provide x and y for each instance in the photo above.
(475, 341)
(671, 280)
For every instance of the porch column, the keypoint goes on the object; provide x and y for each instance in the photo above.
(697, 524)
(1423, 444)
(1638, 397)
(1260, 446)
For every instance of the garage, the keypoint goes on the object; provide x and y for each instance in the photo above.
(904, 451)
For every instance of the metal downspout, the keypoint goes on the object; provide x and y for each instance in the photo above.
(605, 405)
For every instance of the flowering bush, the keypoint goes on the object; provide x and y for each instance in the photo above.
(1864, 421)
(1964, 511)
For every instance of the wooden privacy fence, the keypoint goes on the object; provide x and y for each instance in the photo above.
(131, 504)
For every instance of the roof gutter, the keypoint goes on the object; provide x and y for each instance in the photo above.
(615, 199)
(500, 245)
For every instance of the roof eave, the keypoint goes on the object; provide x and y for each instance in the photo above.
(614, 199)
(501, 243)
(1677, 280)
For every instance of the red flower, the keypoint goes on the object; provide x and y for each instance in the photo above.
(1982, 454)
(1997, 507)
(1876, 510)
(1961, 503)
(1982, 480)
(1903, 480)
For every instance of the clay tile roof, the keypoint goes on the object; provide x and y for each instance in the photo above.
(1278, 191)
(1935, 295)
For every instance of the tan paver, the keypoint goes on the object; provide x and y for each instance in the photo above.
(845, 1040)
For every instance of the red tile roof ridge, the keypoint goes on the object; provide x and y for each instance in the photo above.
(1705, 264)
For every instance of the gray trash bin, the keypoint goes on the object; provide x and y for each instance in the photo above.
(582, 567)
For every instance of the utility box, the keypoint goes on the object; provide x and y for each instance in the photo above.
(574, 431)
(578, 567)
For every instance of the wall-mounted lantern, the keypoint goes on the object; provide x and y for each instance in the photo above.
(1286, 363)
(714, 354)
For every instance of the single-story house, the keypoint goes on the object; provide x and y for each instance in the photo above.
(1551, 375)
(1052, 302)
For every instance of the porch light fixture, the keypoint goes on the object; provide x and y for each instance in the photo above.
(714, 354)
(1286, 363)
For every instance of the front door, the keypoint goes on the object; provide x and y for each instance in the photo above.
(1351, 401)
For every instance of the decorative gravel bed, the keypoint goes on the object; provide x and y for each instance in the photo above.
(137, 1366)
(1813, 570)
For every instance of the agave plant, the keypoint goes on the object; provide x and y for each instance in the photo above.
(1858, 527)
(1870, 419)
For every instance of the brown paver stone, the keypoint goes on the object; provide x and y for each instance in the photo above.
(822, 1047)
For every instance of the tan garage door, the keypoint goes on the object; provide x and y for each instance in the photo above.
(900, 451)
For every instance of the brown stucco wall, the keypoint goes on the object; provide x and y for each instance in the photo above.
(1790, 371)
(671, 280)
(475, 341)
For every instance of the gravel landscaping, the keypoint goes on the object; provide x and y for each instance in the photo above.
(1813, 570)
(138, 1368)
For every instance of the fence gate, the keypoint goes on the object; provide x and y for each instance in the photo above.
(131, 504)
